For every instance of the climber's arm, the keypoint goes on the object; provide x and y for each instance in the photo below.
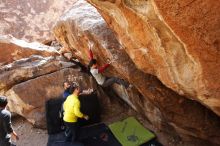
(102, 69)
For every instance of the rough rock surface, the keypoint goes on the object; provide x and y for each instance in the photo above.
(166, 109)
(29, 82)
(177, 41)
(31, 19)
(28, 68)
(28, 98)
(12, 49)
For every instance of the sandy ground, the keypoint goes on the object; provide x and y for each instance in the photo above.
(29, 136)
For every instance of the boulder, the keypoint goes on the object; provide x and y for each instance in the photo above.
(31, 20)
(83, 27)
(29, 82)
(32, 73)
(177, 41)
(28, 98)
(14, 49)
(29, 68)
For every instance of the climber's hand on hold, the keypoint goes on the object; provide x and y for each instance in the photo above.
(109, 61)
(68, 56)
(91, 44)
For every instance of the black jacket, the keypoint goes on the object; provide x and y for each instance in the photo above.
(5, 127)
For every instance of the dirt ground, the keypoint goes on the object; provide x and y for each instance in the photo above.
(28, 136)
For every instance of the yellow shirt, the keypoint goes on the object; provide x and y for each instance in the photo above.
(72, 109)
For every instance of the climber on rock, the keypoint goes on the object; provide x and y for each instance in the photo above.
(97, 73)
(6, 130)
(72, 112)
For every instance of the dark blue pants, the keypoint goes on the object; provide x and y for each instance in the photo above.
(71, 131)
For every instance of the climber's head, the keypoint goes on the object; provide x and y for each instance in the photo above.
(66, 85)
(93, 63)
(3, 101)
(74, 89)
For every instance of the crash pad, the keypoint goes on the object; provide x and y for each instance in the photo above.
(97, 135)
(130, 132)
(90, 106)
(58, 139)
(152, 142)
(94, 135)
(54, 121)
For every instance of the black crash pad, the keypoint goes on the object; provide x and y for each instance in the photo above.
(54, 122)
(59, 140)
(90, 106)
(97, 135)
(152, 142)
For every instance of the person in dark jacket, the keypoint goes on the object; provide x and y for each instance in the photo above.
(6, 130)
(66, 86)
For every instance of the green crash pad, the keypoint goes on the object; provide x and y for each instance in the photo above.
(130, 132)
